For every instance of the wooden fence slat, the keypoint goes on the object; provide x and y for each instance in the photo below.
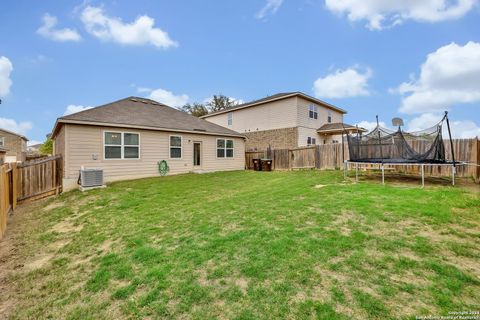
(332, 156)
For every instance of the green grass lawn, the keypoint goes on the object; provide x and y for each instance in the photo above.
(248, 245)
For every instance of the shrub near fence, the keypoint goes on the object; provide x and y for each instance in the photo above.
(331, 156)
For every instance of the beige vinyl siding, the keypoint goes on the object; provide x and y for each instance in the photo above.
(272, 115)
(83, 142)
(329, 138)
(305, 121)
(304, 133)
(59, 146)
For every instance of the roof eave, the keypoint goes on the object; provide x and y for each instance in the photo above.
(340, 130)
(60, 121)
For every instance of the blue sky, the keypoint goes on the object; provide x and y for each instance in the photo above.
(369, 57)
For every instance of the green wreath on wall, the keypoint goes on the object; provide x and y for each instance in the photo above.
(163, 167)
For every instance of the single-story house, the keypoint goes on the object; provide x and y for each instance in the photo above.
(127, 138)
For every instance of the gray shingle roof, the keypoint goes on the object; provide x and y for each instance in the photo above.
(338, 126)
(276, 97)
(144, 113)
(14, 133)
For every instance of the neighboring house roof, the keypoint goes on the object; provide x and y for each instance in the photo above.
(34, 147)
(339, 127)
(275, 97)
(16, 134)
(3, 150)
(141, 113)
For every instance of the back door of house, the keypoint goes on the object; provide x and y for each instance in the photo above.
(197, 154)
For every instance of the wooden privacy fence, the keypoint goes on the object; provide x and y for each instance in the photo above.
(39, 178)
(8, 195)
(331, 156)
(28, 181)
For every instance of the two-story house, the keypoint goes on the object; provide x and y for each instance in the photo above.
(284, 120)
(14, 145)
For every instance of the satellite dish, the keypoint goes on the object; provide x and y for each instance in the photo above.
(397, 122)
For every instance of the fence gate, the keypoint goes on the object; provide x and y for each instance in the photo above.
(39, 178)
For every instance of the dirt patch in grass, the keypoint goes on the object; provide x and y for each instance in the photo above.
(67, 227)
(57, 245)
(54, 205)
(14, 251)
(38, 262)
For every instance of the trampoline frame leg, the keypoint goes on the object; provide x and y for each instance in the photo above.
(423, 176)
(356, 172)
(453, 175)
(383, 174)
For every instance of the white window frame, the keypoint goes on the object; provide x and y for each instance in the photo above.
(230, 118)
(2, 141)
(329, 117)
(313, 141)
(313, 108)
(170, 147)
(121, 145)
(225, 149)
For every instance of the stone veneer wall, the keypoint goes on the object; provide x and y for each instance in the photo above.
(277, 139)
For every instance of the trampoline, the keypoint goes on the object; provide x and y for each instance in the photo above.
(383, 148)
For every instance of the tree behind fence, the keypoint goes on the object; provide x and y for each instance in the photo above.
(331, 156)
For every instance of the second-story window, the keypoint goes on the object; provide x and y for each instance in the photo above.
(329, 119)
(230, 118)
(2, 141)
(313, 112)
(311, 141)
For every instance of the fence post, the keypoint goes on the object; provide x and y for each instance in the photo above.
(14, 185)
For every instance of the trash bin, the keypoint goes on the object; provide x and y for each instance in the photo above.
(256, 165)
(266, 164)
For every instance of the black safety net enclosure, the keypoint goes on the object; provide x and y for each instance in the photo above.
(383, 145)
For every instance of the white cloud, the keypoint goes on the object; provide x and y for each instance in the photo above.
(370, 125)
(139, 32)
(6, 68)
(12, 125)
(73, 108)
(461, 129)
(270, 8)
(449, 76)
(384, 13)
(48, 30)
(343, 83)
(424, 121)
(168, 98)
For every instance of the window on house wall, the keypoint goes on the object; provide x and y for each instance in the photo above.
(230, 118)
(2, 141)
(313, 112)
(121, 145)
(224, 148)
(175, 147)
(329, 118)
(311, 141)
